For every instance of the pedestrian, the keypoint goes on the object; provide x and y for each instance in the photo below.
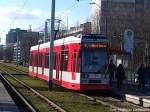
(120, 75)
(111, 68)
(141, 76)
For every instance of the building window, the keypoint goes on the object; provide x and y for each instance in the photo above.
(141, 2)
(147, 4)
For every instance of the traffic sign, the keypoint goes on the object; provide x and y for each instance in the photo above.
(128, 40)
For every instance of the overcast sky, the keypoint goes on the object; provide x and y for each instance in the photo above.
(22, 13)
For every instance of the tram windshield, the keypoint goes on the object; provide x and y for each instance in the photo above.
(94, 61)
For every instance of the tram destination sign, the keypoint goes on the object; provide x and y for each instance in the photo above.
(94, 45)
(94, 38)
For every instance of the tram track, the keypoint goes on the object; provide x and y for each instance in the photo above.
(14, 69)
(21, 102)
(54, 107)
(52, 104)
(114, 103)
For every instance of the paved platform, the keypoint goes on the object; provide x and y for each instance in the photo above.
(6, 102)
(133, 94)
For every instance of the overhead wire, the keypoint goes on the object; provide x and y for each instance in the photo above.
(18, 13)
(22, 7)
(72, 6)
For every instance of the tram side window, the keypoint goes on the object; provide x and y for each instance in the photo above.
(35, 60)
(74, 61)
(79, 61)
(47, 60)
(40, 60)
(64, 60)
(55, 54)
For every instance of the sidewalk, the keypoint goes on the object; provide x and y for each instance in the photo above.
(132, 94)
(6, 102)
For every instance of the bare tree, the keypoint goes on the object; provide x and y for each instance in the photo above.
(29, 39)
(1, 52)
(8, 53)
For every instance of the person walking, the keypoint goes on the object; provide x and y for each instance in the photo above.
(120, 75)
(141, 76)
(111, 70)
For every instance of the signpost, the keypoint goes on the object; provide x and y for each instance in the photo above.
(129, 45)
(128, 40)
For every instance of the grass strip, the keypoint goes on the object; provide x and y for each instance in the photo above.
(15, 69)
(69, 100)
(39, 104)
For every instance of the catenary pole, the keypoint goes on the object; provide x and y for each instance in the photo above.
(46, 32)
(51, 45)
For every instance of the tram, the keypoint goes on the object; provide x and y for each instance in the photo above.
(79, 62)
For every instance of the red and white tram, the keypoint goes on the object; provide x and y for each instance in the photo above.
(79, 62)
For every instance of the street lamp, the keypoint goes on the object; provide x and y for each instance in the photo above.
(46, 35)
(39, 42)
(46, 32)
(56, 24)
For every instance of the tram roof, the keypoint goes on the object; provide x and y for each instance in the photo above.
(67, 40)
(72, 39)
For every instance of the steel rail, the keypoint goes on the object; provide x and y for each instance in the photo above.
(27, 105)
(11, 67)
(105, 103)
(55, 106)
(113, 107)
(40, 95)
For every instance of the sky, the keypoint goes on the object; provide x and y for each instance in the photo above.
(22, 13)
